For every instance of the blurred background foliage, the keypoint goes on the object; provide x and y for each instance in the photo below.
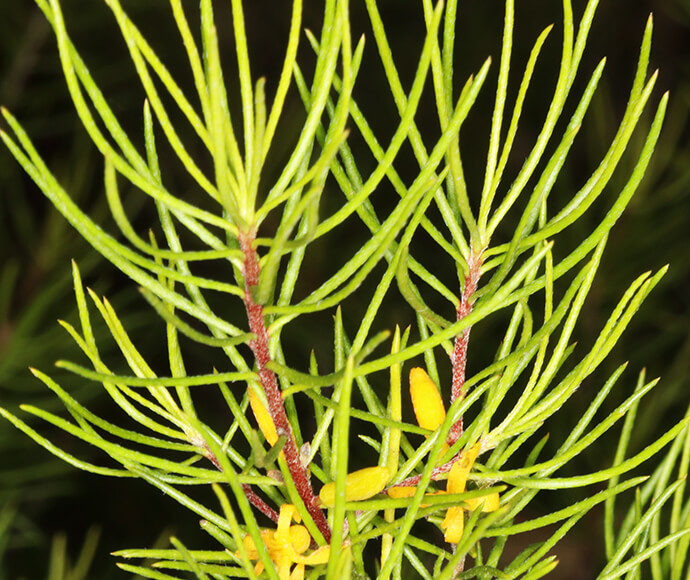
(46, 507)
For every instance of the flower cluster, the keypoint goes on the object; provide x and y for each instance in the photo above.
(430, 413)
(289, 542)
(287, 545)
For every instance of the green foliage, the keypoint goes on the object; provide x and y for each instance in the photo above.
(35, 243)
(236, 270)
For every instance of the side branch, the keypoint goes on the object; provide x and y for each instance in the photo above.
(253, 498)
(459, 358)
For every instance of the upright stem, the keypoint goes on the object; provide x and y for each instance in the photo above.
(269, 382)
(459, 358)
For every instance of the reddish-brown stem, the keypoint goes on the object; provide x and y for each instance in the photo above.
(459, 358)
(269, 382)
(253, 498)
(435, 473)
(260, 504)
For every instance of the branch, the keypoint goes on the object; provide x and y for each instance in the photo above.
(459, 358)
(269, 382)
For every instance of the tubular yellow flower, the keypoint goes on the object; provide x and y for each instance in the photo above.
(454, 521)
(453, 525)
(462, 469)
(263, 418)
(403, 492)
(400, 492)
(359, 485)
(488, 503)
(296, 538)
(286, 546)
(430, 413)
(426, 400)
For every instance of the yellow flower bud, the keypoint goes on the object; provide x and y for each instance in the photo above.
(359, 485)
(426, 400)
(263, 418)
(400, 492)
(403, 492)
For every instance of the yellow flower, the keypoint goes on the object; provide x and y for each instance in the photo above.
(286, 546)
(430, 413)
(263, 417)
(359, 485)
(426, 400)
(454, 522)
(288, 543)
(401, 491)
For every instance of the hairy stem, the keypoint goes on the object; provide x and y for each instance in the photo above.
(459, 358)
(436, 473)
(269, 382)
(253, 498)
